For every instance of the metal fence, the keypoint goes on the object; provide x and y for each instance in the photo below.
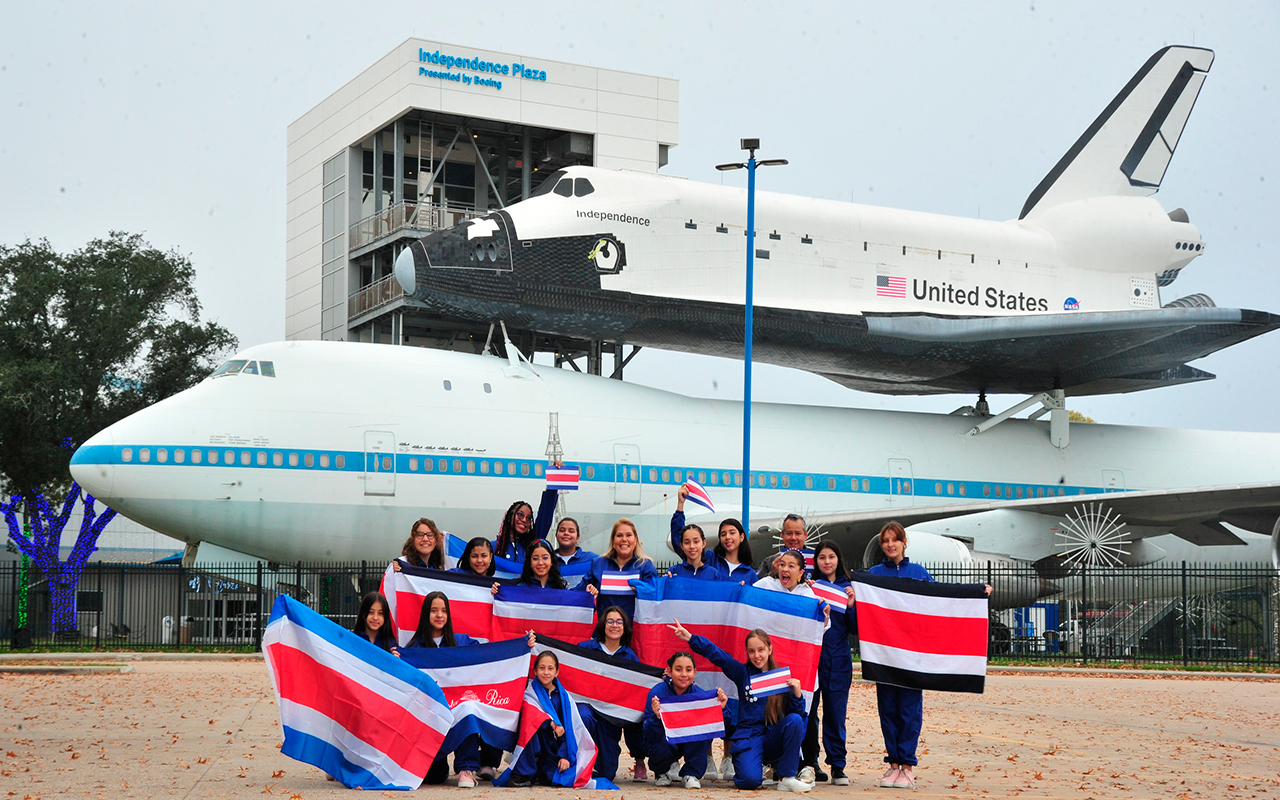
(1183, 613)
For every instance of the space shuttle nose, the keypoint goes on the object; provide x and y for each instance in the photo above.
(93, 465)
(482, 243)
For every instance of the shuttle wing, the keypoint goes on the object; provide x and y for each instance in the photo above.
(1195, 515)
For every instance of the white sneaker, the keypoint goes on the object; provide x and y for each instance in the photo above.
(674, 772)
(662, 780)
(466, 779)
(488, 773)
(711, 774)
(726, 768)
(806, 774)
(691, 782)
(770, 779)
(794, 785)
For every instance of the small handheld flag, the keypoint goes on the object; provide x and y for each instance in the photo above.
(692, 717)
(834, 595)
(771, 682)
(618, 582)
(563, 478)
(699, 495)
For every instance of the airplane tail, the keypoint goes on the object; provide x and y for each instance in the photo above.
(1128, 147)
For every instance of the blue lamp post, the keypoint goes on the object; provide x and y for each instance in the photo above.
(750, 145)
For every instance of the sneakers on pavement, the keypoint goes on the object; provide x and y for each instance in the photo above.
(819, 775)
(726, 769)
(488, 773)
(806, 775)
(466, 779)
(691, 782)
(838, 778)
(674, 772)
(890, 776)
(663, 779)
(641, 774)
(794, 785)
(905, 780)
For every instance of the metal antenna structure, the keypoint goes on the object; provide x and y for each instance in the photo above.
(555, 454)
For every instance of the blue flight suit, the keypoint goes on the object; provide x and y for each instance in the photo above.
(901, 710)
(644, 570)
(662, 754)
(578, 556)
(709, 559)
(753, 742)
(835, 676)
(544, 750)
(605, 734)
(541, 526)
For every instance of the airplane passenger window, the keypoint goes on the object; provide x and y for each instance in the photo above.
(457, 465)
(251, 369)
(906, 487)
(244, 457)
(386, 463)
(831, 483)
(550, 183)
(537, 469)
(951, 488)
(1008, 491)
(229, 368)
(213, 456)
(427, 464)
(511, 468)
(268, 369)
(488, 389)
(591, 472)
(986, 490)
(582, 187)
(471, 467)
(444, 465)
(309, 460)
(277, 459)
(162, 455)
(144, 455)
(808, 482)
(679, 476)
(261, 458)
(773, 481)
(866, 485)
(1019, 491)
(963, 490)
(484, 467)
(937, 488)
(340, 462)
(293, 459)
(786, 481)
(702, 476)
(764, 480)
(653, 475)
(179, 456)
(229, 457)
(324, 461)
(666, 476)
(1040, 492)
(635, 474)
(853, 484)
(737, 479)
(1061, 493)
(497, 468)
(126, 454)
(413, 465)
(727, 479)
(196, 455)
(715, 478)
(564, 188)
(448, 386)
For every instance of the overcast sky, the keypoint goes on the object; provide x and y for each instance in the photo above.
(171, 122)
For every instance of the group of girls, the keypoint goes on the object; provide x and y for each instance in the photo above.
(780, 732)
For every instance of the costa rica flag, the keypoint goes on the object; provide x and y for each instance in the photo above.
(564, 478)
(835, 596)
(692, 717)
(697, 494)
(772, 682)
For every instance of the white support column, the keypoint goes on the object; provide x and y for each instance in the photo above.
(1059, 419)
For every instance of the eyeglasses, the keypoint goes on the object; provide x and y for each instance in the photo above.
(524, 516)
(617, 622)
(423, 534)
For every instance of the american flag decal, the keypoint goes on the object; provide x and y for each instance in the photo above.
(890, 286)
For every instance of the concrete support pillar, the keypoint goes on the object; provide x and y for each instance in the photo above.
(526, 165)
(377, 172)
(397, 191)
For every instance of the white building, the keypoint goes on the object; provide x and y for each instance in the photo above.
(428, 136)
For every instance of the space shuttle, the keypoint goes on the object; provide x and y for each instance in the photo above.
(1068, 297)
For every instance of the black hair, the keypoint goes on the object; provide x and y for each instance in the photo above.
(383, 637)
(507, 533)
(554, 581)
(479, 541)
(680, 654)
(744, 549)
(546, 654)
(598, 633)
(422, 637)
(841, 570)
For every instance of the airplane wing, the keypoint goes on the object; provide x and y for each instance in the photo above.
(1195, 515)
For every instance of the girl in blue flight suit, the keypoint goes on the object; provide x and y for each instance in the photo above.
(540, 568)
(625, 556)
(835, 673)
(435, 629)
(691, 543)
(612, 636)
(547, 752)
(520, 528)
(768, 730)
(678, 681)
(372, 624)
(567, 550)
(477, 559)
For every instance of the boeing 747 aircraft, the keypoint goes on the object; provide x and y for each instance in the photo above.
(1066, 297)
(329, 451)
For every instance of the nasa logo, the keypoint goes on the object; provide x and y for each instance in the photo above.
(608, 255)
(1071, 304)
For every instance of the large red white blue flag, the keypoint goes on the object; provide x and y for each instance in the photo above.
(724, 612)
(477, 612)
(348, 707)
(615, 688)
(483, 684)
(692, 717)
(922, 635)
(539, 708)
(508, 568)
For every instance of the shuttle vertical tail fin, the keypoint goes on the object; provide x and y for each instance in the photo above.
(1128, 147)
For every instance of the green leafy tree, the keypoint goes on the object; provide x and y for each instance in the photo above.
(86, 338)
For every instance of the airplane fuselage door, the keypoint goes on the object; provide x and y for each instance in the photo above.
(379, 463)
(1112, 480)
(626, 475)
(901, 491)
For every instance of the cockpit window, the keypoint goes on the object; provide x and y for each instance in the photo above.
(229, 368)
(548, 184)
(268, 369)
(582, 187)
(565, 187)
(251, 369)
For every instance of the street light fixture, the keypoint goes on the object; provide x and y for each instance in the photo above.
(750, 145)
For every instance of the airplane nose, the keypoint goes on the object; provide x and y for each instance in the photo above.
(480, 243)
(93, 465)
